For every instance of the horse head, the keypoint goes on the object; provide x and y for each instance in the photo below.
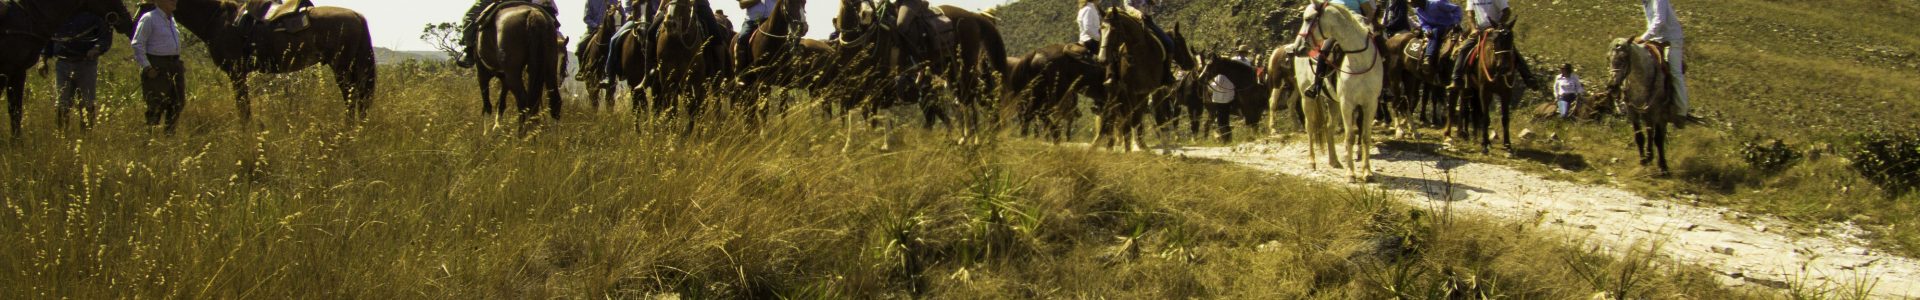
(1619, 64)
(855, 19)
(1181, 52)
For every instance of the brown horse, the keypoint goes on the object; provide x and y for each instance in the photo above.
(1136, 64)
(1046, 84)
(775, 49)
(336, 37)
(686, 60)
(1246, 97)
(599, 80)
(961, 47)
(1495, 80)
(1416, 87)
(27, 28)
(1643, 88)
(521, 45)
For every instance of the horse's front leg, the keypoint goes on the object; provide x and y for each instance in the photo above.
(16, 89)
(486, 102)
(242, 99)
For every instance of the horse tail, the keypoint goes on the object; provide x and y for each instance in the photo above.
(996, 46)
(543, 71)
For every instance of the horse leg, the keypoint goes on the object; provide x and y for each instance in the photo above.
(1640, 142)
(1365, 144)
(16, 87)
(242, 99)
(1660, 140)
(1506, 118)
(553, 95)
(486, 85)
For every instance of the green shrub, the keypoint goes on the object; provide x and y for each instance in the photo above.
(1771, 155)
(1891, 161)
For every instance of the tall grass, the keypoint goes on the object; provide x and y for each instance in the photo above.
(428, 199)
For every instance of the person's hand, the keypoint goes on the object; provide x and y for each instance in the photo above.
(44, 65)
(96, 52)
(149, 72)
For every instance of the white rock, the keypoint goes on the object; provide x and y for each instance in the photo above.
(1856, 251)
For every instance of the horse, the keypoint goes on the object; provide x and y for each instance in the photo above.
(1281, 88)
(1046, 83)
(1494, 80)
(954, 45)
(520, 44)
(775, 52)
(600, 80)
(776, 48)
(1357, 86)
(1246, 97)
(1136, 64)
(685, 59)
(1642, 87)
(1416, 87)
(336, 37)
(28, 27)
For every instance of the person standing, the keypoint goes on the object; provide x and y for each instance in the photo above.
(156, 47)
(1567, 91)
(76, 50)
(1663, 29)
(1089, 20)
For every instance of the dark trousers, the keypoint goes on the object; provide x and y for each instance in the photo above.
(165, 90)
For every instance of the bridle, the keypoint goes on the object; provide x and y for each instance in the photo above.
(1313, 32)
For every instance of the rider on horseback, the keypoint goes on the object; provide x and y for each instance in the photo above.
(1663, 29)
(757, 12)
(1487, 15)
(1437, 19)
(1325, 58)
(470, 30)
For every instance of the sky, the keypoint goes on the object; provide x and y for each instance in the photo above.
(396, 24)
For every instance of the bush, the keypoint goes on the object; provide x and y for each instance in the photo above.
(1891, 161)
(1769, 156)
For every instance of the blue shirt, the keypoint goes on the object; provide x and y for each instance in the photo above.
(1353, 5)
(1438, 14)
(597, 12)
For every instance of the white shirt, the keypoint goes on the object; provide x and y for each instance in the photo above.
(1089, 23)
(1662, 24)
(155, 34)
(1485, 12)
(1568, 85)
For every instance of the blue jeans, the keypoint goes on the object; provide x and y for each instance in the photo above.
(75, 78)
(1566, 102)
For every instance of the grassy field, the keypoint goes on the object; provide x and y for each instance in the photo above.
(1816, 75)
(428, 199)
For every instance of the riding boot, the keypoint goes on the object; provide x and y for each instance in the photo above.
(1461, 63)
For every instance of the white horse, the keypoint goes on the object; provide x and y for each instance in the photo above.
(1356, 87)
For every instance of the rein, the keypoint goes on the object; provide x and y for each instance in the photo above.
(1371, 63)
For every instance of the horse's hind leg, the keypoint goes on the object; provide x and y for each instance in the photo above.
(16, 93)
(1660, 140)
(486, 85)
(242, 100)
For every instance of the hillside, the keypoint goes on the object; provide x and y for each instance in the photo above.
(389, 56)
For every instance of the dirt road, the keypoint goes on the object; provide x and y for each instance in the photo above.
(1756, 252)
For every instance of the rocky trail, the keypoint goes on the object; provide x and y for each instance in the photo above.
(1751, 250)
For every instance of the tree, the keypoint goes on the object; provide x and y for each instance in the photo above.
(443, 36)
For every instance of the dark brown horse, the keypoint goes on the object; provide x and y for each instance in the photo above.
(961, 47)
(599, 80)
(1136, 64)
(336, 37)
(1415, 87)
(1245, 96)
(521, 45)
(1643, 88)
(26, 29)
(1046, 85)
(686, 61)
(775, 49)
(1493, 80)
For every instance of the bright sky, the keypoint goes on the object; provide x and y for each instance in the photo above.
(396, 24)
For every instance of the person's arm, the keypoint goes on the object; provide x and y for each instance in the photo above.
(1656, 20)
(141, 33)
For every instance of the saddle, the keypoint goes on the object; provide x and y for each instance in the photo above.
(289, 16)
(936, 32)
